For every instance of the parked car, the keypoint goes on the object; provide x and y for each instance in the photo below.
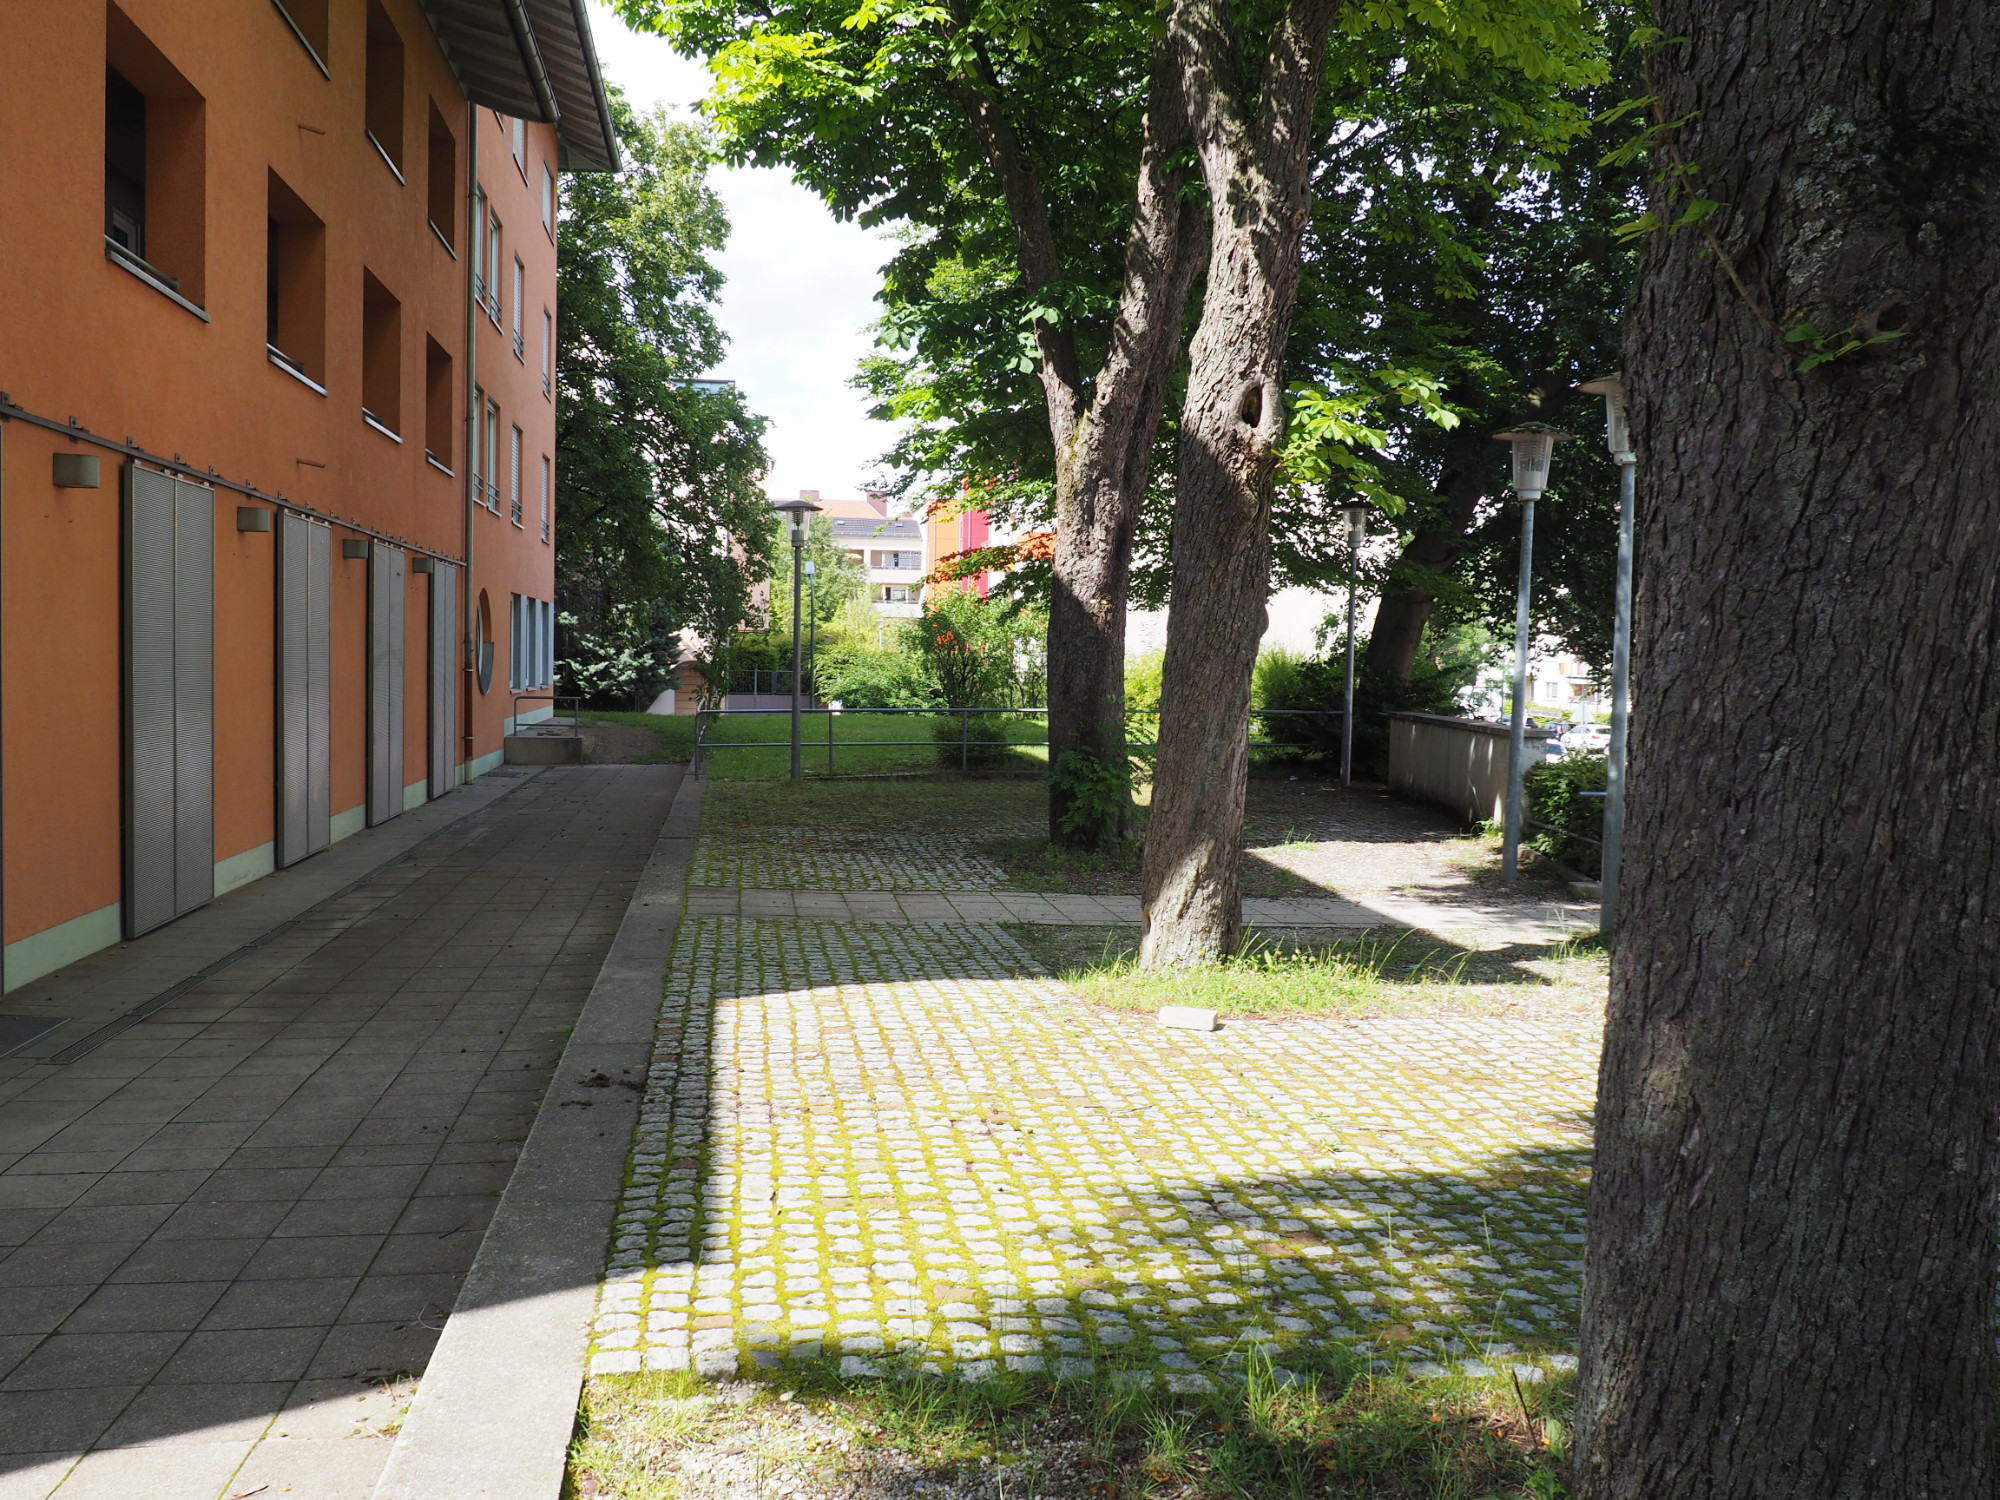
(1589, 737)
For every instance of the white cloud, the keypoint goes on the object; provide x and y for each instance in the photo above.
(800, 292)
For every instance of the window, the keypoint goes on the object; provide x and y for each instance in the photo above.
(307, 20)
(437, 403)
(477, 419)
(517, 142)
(493, 456)
(381, 355)
(531, 642)
(384, 89)
(295, 284)
(545, 497)
(549, 199)
(479, 292)
(493, 268)
(548, 354)
(520, 281)
(443, 170)
(515, 454)
(155, 169)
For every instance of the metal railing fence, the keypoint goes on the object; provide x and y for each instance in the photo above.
(707, 716)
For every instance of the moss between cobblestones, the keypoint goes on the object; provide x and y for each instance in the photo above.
(810, 1431)
(868, 1139)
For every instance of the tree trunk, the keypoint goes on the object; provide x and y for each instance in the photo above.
(1258, 174)
(1103, 447)
(1790, 1280)
(1405, 607)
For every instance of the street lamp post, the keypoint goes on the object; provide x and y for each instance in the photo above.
(1617, 438)
(1534, 445)
(798, 516)
(1357, 529)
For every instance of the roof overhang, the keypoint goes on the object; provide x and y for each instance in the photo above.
(533, 59)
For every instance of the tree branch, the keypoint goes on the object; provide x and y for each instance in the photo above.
(1034, 235)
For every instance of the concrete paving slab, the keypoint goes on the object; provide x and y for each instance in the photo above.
(494, 1413)
(275, 1182)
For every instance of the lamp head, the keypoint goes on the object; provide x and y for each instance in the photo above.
(1617, 421)
(798, 516)
(1357, 523)
(1534, 445)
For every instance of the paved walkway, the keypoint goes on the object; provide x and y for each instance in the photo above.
(874, 1126)
(230, 1235)
(999, 906)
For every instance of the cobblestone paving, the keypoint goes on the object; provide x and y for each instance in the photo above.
(868, 1139)
(834, 859)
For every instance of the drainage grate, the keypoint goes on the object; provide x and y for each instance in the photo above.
(17, 1031)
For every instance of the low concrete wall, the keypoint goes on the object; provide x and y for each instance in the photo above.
(1460, 764)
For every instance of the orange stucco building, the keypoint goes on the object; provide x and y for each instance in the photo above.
(277, 320)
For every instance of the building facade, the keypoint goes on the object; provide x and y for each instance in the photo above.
(277, 436)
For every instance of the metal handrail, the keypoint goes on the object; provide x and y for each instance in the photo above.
(555, 706)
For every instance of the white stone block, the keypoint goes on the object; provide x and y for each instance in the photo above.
(1187, 1017)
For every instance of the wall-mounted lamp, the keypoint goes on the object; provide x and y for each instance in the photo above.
(76, 471)
(252, 518)
(355, 549)
(420, 565)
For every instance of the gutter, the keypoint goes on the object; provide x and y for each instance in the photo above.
(475, 241)
(596, 73)
(531, 57)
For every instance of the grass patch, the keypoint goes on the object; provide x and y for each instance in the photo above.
(672, 733)
(1287, 974)
(757, 747)
(1340, 1431)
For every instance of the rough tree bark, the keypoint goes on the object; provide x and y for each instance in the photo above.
(1104, 437)
(1258, 169)
(1405, 606)
(1789, 1290)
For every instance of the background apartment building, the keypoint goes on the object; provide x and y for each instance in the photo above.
(277, 343)
(899, 552)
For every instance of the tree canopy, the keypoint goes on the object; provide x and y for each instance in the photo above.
(664, 524)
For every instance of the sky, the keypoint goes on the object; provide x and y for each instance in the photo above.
(800, 293)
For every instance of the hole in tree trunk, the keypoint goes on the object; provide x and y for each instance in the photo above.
(1251, 409)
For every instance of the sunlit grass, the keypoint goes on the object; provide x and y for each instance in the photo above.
(865, 744)
(1265, 1434)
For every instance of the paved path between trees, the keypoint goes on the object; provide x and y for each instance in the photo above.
(868, 1134)
(1053, 909)
(230, 1235)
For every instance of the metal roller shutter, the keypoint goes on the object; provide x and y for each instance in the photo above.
(386, 682)
(169, 566)
(305, 681)
(444, 659)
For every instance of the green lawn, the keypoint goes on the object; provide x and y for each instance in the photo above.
(1327, 1434)
(866, 744)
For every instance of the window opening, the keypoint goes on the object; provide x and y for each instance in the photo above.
(493, 269)
(442, 169)
(517, 140)
(381, 355)
(515, 512)
(155, 168)
(493, 457)
(478, 420)
(307, 20)
(437, 403)
(295, 284)
(384, 91)
(549, 200)
(548, 353)
(545, 497)
(520, 282)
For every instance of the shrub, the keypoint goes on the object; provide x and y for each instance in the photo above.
(877, 679)
(1551, 794)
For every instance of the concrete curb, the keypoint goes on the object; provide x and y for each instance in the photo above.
(495, 1409)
